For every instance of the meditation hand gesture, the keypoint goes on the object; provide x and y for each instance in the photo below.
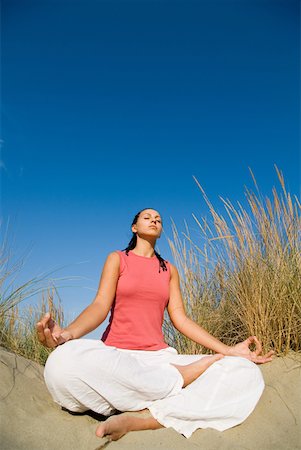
(50, 334)
(242, 349)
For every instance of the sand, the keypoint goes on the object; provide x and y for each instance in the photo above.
(30, 420)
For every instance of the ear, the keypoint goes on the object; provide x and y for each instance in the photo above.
(134, 229)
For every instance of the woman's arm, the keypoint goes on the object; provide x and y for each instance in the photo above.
(199, 335)
(50, 334)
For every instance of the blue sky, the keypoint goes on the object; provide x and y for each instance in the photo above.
(112, 106)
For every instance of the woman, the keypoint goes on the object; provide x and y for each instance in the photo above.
(132, 368)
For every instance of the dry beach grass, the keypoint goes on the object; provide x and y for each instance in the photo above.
(246, 279)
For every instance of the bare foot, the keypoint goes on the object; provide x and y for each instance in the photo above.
(192, 371)
(114, 427)
(117, 426)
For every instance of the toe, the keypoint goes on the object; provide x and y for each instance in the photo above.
(99, 431)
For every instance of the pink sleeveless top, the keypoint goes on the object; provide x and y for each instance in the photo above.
(142, 294)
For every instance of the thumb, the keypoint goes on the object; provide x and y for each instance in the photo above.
(62, 337)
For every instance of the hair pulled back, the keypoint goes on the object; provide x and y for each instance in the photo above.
(133, 242)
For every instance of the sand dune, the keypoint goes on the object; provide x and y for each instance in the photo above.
(30, 420)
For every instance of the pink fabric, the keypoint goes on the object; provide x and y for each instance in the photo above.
(141, 297)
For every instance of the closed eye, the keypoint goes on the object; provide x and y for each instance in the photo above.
(157, 220)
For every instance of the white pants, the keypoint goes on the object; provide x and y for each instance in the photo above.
(85, 374)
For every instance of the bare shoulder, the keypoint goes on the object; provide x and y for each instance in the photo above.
(113, 259)
(173, 270)
(113, 255)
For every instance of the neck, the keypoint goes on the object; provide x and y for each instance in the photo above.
(144, 248)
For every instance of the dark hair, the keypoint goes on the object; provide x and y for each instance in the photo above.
(133, 242)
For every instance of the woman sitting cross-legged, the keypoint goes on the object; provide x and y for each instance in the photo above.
(132, 368)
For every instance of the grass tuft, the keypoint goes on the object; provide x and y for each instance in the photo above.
(244, 278)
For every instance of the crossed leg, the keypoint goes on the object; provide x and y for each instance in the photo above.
(86, 374)
(117, 426)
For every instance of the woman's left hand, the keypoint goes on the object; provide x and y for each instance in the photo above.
(242, 349)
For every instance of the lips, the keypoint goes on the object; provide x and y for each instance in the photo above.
(153, 226)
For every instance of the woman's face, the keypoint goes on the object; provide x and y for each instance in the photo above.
(149, 223)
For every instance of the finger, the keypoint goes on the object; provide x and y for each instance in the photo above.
(249, 340)
(61, 340)
(265, 358)
(45, 319)
(262, 359)
(253, 340)
(51, 323)
(56, 339)
(40, 332)
(269, 354)
(50, 342)
(258, 345)
(41, 325)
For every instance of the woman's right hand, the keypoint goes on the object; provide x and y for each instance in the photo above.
(50, 334)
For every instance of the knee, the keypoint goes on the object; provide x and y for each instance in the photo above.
(60, 379)
(245, 368)
(58, 367)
